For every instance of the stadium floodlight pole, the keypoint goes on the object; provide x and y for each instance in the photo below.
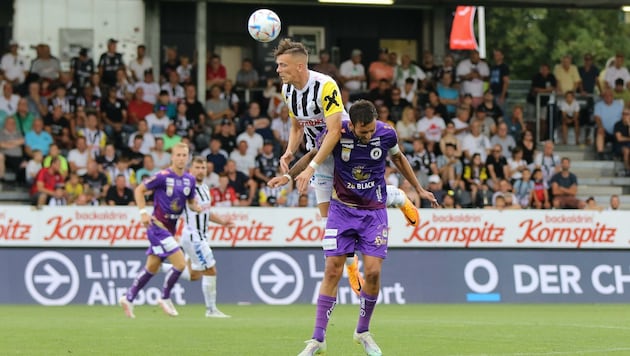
(481, 28)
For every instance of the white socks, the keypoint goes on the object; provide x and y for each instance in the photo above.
(395, 197)
(209, 290)
(185, 273)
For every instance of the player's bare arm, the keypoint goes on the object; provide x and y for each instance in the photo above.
(139, 196)
(403, 166)
(193, 205)
(298, 167)
(333, 127)
(295, 138)
(223, 222)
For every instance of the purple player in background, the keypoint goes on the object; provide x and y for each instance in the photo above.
(357, 219)
(173, 188)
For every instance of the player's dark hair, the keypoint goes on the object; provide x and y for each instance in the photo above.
(199, 159)
(363, 111)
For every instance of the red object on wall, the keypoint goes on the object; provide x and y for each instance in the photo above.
(462, 34)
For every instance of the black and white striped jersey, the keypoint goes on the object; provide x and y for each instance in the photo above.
(198, 222)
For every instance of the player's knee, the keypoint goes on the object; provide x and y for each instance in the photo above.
(372, 276)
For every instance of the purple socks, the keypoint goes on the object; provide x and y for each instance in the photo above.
(325, 306)
(140, 281)
(365, 314)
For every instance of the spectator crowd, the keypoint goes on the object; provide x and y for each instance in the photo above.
(89, 135)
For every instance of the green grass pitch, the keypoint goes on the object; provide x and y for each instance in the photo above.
(434, 330)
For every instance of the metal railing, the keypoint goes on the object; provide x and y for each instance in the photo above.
(582, 99)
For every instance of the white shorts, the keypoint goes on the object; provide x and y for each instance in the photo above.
(323, 180)
(198, 250)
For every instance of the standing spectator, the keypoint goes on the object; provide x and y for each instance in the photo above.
(174, 90)
(185, 70)
(119, 194)
(352, 73)
(544, 82)
(324, 65)
(564, 187)
(407, 70)
(81, 68)
(170, 64)
(380, 70)
(499, 78)
(109, 63)
(567, 75)
(472, 74)
(45, 65)
(139, 65)
(607, 114)
(622, 138)
(570, 116)
(45, 183)
(13, 65)
(616, 71)
(589, 80)
(449, 96)
(11, 143)
(247, 76)
(216, 74)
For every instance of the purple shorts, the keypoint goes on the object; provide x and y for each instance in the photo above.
(163, 244)
(349, 230)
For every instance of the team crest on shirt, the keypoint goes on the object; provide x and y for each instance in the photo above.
(376, 153)
(359, 174)
(187, 187)
(345, 154)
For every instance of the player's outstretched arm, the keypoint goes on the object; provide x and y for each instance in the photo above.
(405, 169)
(298, 167)
(218, 220)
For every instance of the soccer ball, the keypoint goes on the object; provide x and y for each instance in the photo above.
(264, 25)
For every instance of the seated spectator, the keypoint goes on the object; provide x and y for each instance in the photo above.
(114, 117)
(133, 153)
(607, 113)
(523, 188)
(157, 122)
(148, 140)
(502, 189)
(60, 99)
(182, 123)
(95, 181)
(163, 99)
(407, 92)
(449, 138)
(212, 178)
(527, 144)
(78, 157)
(431, 127)
(95, 138)
(150, 88)
(226, 135)
(380, 93)
(540, 193)
(174, 91)
(440, 109)
(547, 161)
(148, 168)
(11, 153)
(107, 160)
(58, 197)
(622, 137)
(224, 194)
(8, 100)
(216, 155)
(435, 187)
(247, 76)
(160, 156)
(253, 139)
(281, 127)
(73, 188)
(449, 165)
(245, 162)
(119, 193)
(170, 137)
(591, 204)
(449, 96)
(55, 153)
(476, 143)
(243, 185)
(490, 107)
(407, 129)
(503, 139)
(138, 109)
(59, 128)
(621, 92)
(267, 164)
(33, 167)
(396, 104)
(516, 164)
(423, 162)
(564, 186)
(463, 197)
(486, 123)
(475, 174)
(217, 109)
(88, 100)
(570, 116)
(614, 202)
(497, 166)
(272, 197)
(516, 123)
(184, 70)
(46, 183)
(122, 169)
(449, 201)
(461, 123)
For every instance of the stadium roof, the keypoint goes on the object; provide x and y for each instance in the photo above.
(594, 4)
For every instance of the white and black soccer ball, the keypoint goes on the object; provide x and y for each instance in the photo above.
(264, 25)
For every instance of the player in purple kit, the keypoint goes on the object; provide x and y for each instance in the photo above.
(173, 188)
(357, 219)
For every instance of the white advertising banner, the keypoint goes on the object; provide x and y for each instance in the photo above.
(301, 227)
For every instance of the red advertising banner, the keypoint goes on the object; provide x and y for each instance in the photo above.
(278, 227)
(462, 33)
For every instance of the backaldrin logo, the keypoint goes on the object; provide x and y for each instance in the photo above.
(482, 278)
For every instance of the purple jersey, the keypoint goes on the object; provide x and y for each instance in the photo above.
(171, 192)
(359, 179)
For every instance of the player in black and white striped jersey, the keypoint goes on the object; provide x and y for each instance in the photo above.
(195, 244)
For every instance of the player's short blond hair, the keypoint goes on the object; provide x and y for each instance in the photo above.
(180, 145)
(287, 46)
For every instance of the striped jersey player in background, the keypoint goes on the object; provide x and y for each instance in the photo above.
(314, 102)
(193, 239)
